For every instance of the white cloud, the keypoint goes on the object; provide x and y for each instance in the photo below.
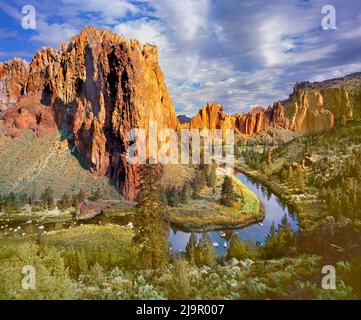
(240, 53)
(54, 33)
(144, 30)
(187, 18)
(110, 10)
(336, 72)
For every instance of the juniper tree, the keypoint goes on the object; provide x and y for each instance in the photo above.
(205, 254)
(237, 248)
(228, 195)
(191, 249)
(211, 176)
(151, 231)
(184, 194)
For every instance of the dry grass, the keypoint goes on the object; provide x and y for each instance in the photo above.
(30, 164)
(90, 236)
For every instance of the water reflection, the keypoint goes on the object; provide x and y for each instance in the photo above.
(275, 209)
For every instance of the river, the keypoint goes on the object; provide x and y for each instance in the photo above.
(274, 212)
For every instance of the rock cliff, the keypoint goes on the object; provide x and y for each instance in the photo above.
(13, 78)
(212, 116)
(311, 108)
(319, 106)
(94, 89)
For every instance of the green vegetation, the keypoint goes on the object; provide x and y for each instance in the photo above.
(206, 211)
(108, 246)
(200, 252)
(228, 196)
(285, 278)
(279, 242)
(151, 230)
(116, 262)
(30, 164)
(239, 249)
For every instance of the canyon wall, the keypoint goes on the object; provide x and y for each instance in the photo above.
(212, 116)
(13, 78)
(311, 108)
(96, 88)
(319, 106)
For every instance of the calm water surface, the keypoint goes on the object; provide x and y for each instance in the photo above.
(274, 212)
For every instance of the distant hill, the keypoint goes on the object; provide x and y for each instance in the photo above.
(183, 119)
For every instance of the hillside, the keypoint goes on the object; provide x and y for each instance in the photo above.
(93, 90)
(31, 164)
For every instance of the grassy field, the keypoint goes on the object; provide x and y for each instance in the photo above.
(109, 246)
(207, 213)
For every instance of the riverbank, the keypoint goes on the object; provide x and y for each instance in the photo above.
(305, 209)
(198, 225)
(277, 189)
(207, 214)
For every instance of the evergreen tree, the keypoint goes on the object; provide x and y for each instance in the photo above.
(191, 249)
(196, 189)
(271, 233)
(290, 174)
(81, 196)
(97, 195)
(205, 254)
(214, 191)
(201, 178)
(184, 194)
(47, 198)
(211, 176)
(64, 202)
(150, 229)
(173, 197)
(269, 159)
(283, 175)
(299, 179)
(228, 195)
(279, 242)
(237, 248)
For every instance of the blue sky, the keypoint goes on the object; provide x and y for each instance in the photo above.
(239, 53)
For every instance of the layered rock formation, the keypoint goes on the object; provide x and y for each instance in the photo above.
(314, 107)
(311, 108)
(308, 114)
(28, 113)
(212, 116)
(13, 78)
(96, 88)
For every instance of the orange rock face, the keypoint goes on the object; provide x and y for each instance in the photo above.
(96, 88)
(13, 78)
(212, 116)
(311, 108)
(308, 113)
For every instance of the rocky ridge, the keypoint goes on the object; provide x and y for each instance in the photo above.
(311, 108)
(94, 89)
(13, 78)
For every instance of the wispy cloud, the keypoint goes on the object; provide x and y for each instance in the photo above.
(241, 53)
